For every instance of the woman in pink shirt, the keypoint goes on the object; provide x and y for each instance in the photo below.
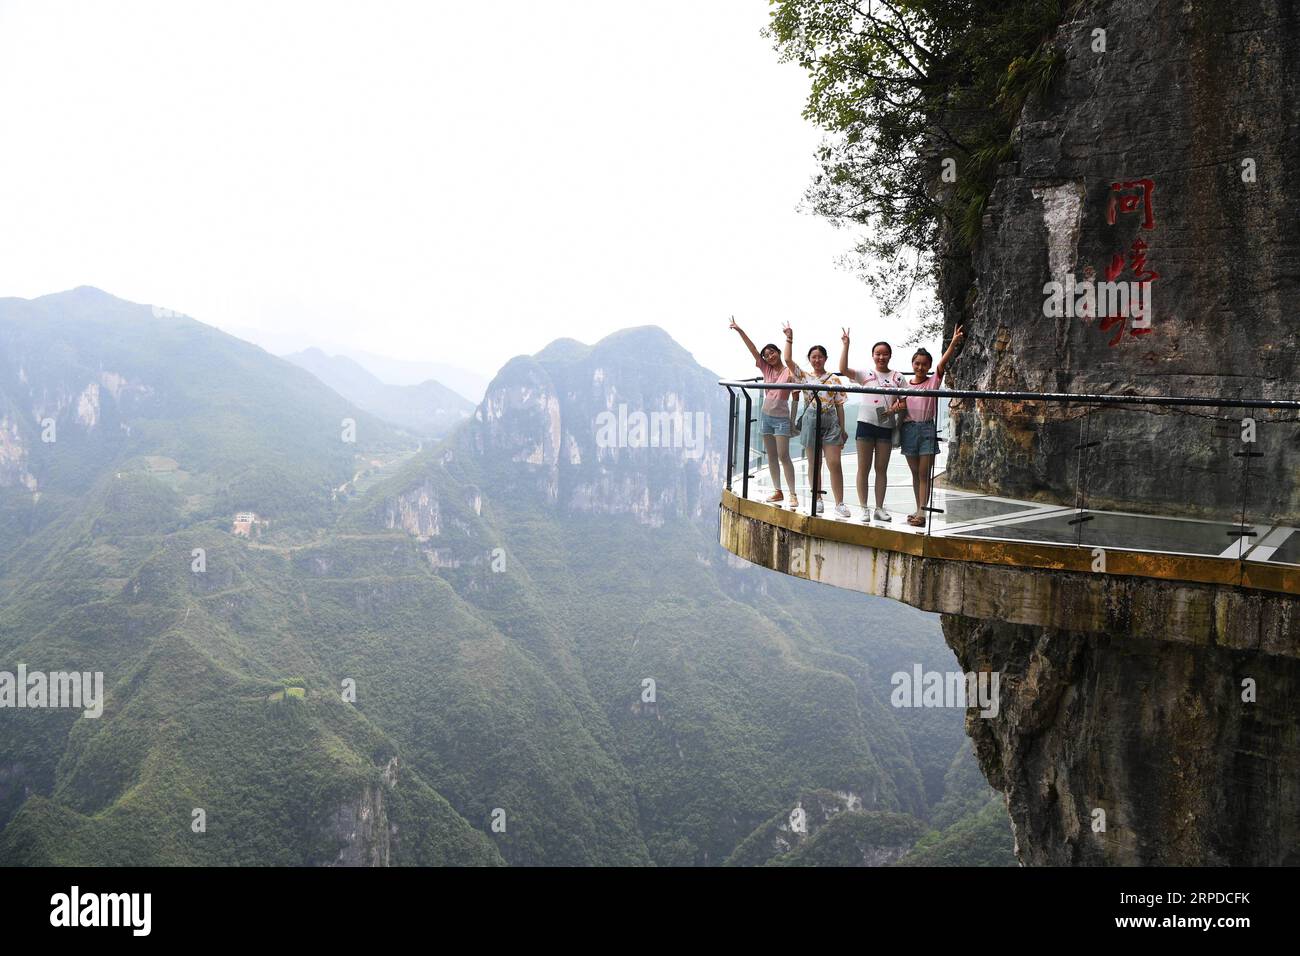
(773, 417)
(920, 435)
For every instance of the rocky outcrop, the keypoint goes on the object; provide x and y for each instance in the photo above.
(626, 426)
(1111, 749)
(15, 787)
(830, 828)
(629, 426)
(362, 826)
(13, 457)
(41, 415)
(1170, 158)
(88, 405)
(1167, 159)
(416, 512)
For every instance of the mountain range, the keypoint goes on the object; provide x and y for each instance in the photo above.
(428, 409)
(521, 644)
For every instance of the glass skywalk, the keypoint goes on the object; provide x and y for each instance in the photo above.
(969, 514)
(1247, 515)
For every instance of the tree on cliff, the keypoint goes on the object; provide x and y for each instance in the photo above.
(918, 99)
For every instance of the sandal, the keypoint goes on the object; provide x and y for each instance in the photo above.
(775, 497)
(794, 503)
(916, 521)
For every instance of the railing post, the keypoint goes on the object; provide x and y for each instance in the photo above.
(1244, 530)
(930, 509)
(744, 481)
(1081, 474)
(816, 476)
(731, 435)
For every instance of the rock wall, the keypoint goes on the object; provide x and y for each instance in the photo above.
(631, 425)
(1168, 159)
(361, 825)
(1154, 736)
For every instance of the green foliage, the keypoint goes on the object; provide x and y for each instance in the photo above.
(899, 88)
(476, 689)
(235, 427)
(983, 839)
(855, 839)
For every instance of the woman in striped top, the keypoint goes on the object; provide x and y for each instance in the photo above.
(829, 406)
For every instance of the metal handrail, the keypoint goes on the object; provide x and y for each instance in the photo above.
(912, 390)
(1081, 398)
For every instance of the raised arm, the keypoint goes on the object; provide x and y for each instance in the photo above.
(788, 354)
(746, 339)
(957, 336)
(844, 356)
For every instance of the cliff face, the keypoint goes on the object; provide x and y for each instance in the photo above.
(630, 425)
(830, 828)
(1170, 158)
(1152, 741)
(362, 827)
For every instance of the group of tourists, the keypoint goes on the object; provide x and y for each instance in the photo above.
(880, 419)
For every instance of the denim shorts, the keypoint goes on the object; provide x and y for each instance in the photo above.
(773, 424)
(920, 438)
(831, 432)
(870, 432)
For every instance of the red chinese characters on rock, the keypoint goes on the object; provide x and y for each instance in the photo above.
(1127, 198)
(1137, 262)
(1124, 200)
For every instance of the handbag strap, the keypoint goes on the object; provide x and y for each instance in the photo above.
(821, 402)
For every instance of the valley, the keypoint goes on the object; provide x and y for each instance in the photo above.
(495, 600)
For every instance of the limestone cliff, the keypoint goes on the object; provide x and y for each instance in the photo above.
(630, 425)
(829, 828)
(1170, 158)
(362, 827)
(1112, 749)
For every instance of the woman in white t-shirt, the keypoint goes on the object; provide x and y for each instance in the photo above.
(877, 417)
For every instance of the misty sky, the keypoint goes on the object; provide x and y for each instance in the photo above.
(451, 182)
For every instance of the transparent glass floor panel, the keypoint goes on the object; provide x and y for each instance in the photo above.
(962, 509)
(1105, 530)
(1289, 553)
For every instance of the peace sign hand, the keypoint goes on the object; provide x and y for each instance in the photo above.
(845, 337)
(789, 332)
(734, 327)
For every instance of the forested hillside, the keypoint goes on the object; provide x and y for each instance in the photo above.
(517, 646)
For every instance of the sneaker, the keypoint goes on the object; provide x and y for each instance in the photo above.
(819, 509)
(882, 515)
(776, 497)
(843, 511)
